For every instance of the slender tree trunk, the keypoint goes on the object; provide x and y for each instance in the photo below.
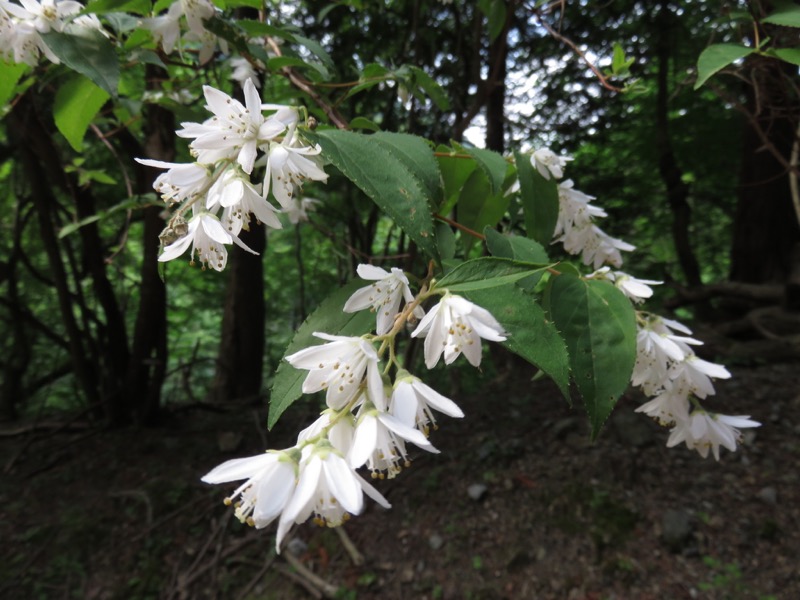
(241, 348)
(22, 126)
(496, 101)
(671, 173)
(765, 226)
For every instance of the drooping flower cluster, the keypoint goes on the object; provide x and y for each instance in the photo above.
(22, 26)
(371, 419)
(166, 28)
(666, 368)
(218, 187)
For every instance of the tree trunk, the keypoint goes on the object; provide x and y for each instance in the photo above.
(765, 226)
(671, 173)
(241, 347)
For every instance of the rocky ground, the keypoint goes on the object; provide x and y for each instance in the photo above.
(519, 504)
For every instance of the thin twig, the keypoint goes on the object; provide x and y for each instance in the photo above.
(457, 225)
(328, 589)
(349, 546)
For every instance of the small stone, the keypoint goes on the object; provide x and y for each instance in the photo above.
(296, 546)
(435, 541)
(769, 495)
(477, 491)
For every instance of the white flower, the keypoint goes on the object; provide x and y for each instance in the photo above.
(637, 290)
(234, 192)
(383, 296)
(671, 405)
(181, 182)
(243, 70)
(299, 209)
(339, 367)
(703, 431)
(235, 131)
(166, 28)
(455, 325)
(288, 166)
(340, 434)
(657, 347)
(270, 483)
(327, 487)
(695, 374)
(412, 402)
(208, 239)
(595, 246)
(379, 441)
(49, 15)
(548, 162)
(574, 209)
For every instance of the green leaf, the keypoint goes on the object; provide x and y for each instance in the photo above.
(495, 11)
(715, 58)
(432, 89)
(455, 171)
(478, 207)
(99, 7)
(531, 335)
(515, 247)
(492, 164)
(786, 14)
(364, 123)
(76, 104)
(317, 50)
(790, 55)
(416, 154)
(390, 183)
(539, 198)
(446, 240)
(10, 74)
(328, 318)
(90, 54)
(597, 322)
(278, 62)
(487, 272)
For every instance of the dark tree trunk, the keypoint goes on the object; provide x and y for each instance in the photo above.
(671, 173)
(496, 101)
(241, 347)
(765, 226)
(23, 127)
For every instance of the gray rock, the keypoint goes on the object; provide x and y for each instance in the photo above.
(477, 491)
(435, 541)
(296, 546)
(769, 495)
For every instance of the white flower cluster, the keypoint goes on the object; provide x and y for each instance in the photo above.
(166, 28)
(370, 419)
(575, 225)
(22, 26)
(667, 369)
(218, 188)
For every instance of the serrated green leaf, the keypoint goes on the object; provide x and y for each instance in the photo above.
(10, 74)
(531, 335)
(327, 318)
(76, 104)
(487, 272)
(539, 198)
(715, 58)
(785, 13)
(377, 171)
(492, 164)
(446, 240)
(597, 322)
(90, 54)
(416, 154)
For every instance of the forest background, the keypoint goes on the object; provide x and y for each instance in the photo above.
(102, 352)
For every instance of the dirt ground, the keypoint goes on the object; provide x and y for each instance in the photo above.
(519, 504)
